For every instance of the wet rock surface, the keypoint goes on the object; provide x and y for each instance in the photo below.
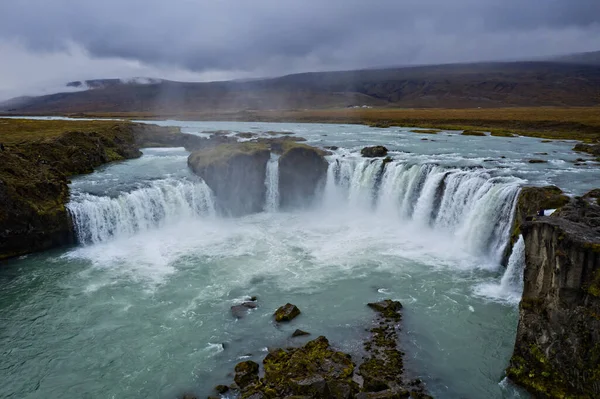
(557, 349)
(382, 369)
(592, 149)
(301, 170)
(235, 173)
(241, 310)
(374, 152)
(530, 201)
(287, 312)
(317, 370)
(299, 333)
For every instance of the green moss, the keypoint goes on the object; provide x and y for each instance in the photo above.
(536, 374)
(593, 287)
(284, 367)
(221, 154)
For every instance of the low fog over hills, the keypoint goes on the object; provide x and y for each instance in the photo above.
(572, 80)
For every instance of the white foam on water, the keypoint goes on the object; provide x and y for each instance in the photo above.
(510, 287)
(272, 184)
(99, 219)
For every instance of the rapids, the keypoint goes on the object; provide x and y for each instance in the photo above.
(140, 307)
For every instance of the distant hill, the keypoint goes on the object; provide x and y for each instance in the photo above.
(562, 82)
(591, 58)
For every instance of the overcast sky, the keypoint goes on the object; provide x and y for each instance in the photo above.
(45, 43)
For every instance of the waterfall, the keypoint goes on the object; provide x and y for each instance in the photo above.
(272, 184)
(512, 280)
(99, 218)
(510, 287)
(470, 204)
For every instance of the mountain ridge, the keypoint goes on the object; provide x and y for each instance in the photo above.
(486, 84)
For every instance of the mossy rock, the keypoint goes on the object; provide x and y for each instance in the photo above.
(472, 133)
(246, 373)
(592, 149)
(529, 202)
(593, 196)
(314, 370)
(388, 309)
(537, 161)
(374, 151)
(287, 312)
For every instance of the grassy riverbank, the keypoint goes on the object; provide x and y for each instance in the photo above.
(573, 123)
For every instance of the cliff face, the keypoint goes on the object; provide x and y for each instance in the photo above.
(557, 350)
(529, 202)
(301, 170)
(36, 160)
(236, 174)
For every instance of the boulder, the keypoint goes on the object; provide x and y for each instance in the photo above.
(221, 389)
(537, 161)
(374, 152)
(287, 312)
(301, 171)
(299, 333)
(246, 373)
(236, 175)
(383, 367)
(314, 370)
(388, 309)
(239, 311)
(557, 348)
(593, 196)
(592, 149)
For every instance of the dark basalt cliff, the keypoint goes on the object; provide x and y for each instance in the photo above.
(529, 202)
(35, 165)
(557, 350)
(236, 173)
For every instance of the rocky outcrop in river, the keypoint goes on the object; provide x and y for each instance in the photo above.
(557, 350)
(317, 370)
(236, 173)
(301, 169)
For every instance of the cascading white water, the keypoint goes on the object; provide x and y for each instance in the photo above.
(272, 184)
(470, 204)
(510, 287)
(512, 280)
(99, 218)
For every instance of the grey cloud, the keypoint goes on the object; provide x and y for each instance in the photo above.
(277, 37)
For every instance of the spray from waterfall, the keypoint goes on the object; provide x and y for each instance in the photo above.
(99, 218)
(272, 184)
(510, 287)
(471, 205)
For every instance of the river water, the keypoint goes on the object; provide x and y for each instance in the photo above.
(140, 308)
